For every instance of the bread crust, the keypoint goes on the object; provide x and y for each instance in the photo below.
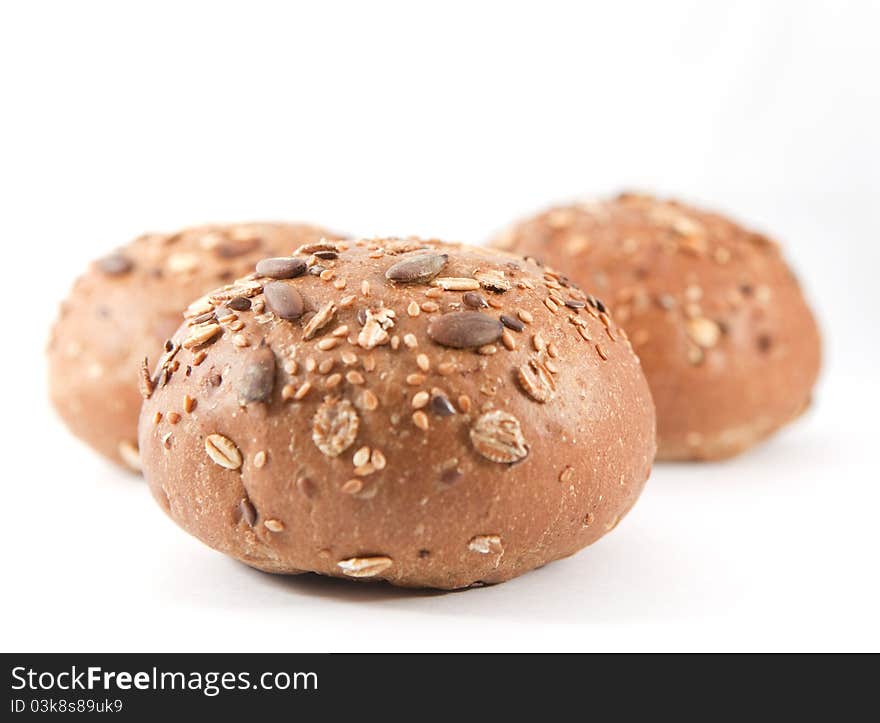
(730, 348)
(383, 447)
(124, 308)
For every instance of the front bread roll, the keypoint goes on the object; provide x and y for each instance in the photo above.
(125, 307)
(729, 346)
(432, 415)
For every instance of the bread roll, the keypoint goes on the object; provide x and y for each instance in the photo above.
(729, 346)
(125, 307)
(431, 415)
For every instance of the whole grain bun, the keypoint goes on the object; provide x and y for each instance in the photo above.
(432, 415)
(729, 346)
(124, 308)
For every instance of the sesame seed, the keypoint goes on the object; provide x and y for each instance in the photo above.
(413, 308)
(354, 377)
(173, 417)
(487, 350)
(423, 362)
(377, 459)
(429, 307)
(420, 419)
(415, 380)
(347, 301)
(444, 369)
(410, 341)
(333, 380)
(302, 391)
(348, 358)
(420, 399)
(361, 457)
(199, 357)
(260, 459)
(434, 293)
(369, 400)
(311, 364)
(340, 331)
(328, 343)
(601, 352)
(339, 284)
(365, 288)
(512, 323)
(525, 316)
(352, 487)
(464, 403)
(538, 343)
(157, 417)
(508, 340)
(369, 363)
(287, 392)
(274, 525)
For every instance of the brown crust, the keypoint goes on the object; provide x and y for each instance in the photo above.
(729, 346)
(381, 453)
(127, 304)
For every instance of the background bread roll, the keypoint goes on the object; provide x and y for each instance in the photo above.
(428, 414)
(729, 346)
(124, 308)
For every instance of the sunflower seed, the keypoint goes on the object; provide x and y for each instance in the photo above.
(464, 329)
(284, 300)
(419, 268)
(474, 301)
(512, 323)
(441, 406)
(115, 264)
(239, 303)
(258, 379)
(497, 436)
(223, 451)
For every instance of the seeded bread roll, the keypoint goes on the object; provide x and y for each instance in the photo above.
(432, 415)
(729, 346)
(126, 306)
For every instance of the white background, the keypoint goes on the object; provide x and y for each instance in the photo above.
(447, 119)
